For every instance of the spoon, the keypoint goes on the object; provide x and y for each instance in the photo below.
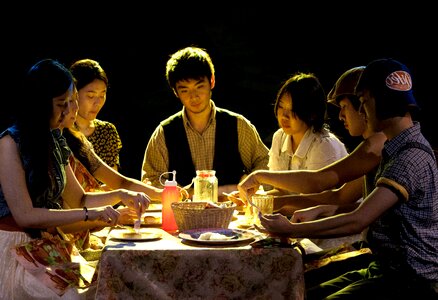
(137, 225)
(259, 211)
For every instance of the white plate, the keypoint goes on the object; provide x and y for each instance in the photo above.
(236, 234)
(131, 235)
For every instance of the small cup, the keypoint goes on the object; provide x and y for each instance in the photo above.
(265, 203)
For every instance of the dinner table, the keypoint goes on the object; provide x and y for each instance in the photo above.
(179, 265)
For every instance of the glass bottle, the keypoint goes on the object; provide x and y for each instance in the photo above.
(206, 186)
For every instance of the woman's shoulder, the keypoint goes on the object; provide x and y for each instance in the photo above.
(328, 141)
(325, 136)
(104, 129)
(103, 124)
(279, 133)
(9, 146)
(12, 134)
(278, 138)
(6, 141)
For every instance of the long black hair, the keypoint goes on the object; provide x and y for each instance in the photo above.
(44, 81)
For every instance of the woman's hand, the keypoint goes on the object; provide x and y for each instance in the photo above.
(106, 214)
(139, 201)
(127, 215)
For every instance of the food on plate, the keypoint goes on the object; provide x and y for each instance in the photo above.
(213, 236)
(131, 235)
(151, 220)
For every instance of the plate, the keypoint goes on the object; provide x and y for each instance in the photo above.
(131, 235)
(233, 235)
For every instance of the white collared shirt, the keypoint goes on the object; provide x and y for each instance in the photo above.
(315, 151)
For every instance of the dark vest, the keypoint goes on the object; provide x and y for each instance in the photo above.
(227, 161)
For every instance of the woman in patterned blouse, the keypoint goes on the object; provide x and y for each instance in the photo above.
(92, 84)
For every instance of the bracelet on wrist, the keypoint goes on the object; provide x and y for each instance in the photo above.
(86, 213)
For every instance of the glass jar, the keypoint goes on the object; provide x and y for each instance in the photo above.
(206, 186)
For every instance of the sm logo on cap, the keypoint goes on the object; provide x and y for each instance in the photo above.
(399, 81)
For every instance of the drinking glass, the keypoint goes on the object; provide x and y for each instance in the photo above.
(265, 203)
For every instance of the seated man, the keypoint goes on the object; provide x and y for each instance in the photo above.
(201, 136)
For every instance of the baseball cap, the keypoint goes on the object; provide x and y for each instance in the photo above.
(388, 80)
(345, 85)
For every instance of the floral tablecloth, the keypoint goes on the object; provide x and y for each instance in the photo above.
(170, 269)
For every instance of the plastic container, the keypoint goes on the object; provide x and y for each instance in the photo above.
(170, 195)
(206, 186)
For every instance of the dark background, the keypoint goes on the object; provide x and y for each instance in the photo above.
(254, 49)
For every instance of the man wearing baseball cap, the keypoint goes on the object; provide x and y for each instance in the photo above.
(401, 211)
(343, 91)
(390, 80)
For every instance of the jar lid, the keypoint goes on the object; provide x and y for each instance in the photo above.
(205, 173)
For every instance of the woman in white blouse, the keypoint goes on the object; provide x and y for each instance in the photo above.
(303, 141)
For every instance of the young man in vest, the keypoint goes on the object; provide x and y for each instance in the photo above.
(201, 136)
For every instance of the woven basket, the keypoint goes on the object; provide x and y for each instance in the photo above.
(194, 215)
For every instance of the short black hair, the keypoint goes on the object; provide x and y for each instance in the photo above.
(189, 63)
